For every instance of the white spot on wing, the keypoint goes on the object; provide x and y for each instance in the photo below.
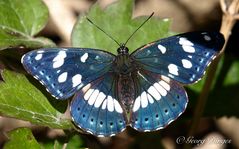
(173, 69)
(58, 61)
(188, 49)
(99, 99)
(162, 48)
(207, 38)
(186, 63)
(88, 93)
(164, 85)
(151, 100)
(184, 41)
(40, 51)
(84, 57)
(76, 80)
(93, 97)
(104, 105)
(154, 93)
(97, 57)
(117, 106)
(86, 88)
(144, 100)
(170, 75)
(38, 57)
(110, 104)
(136, 104)
(160, 89)
(62, 78)
(186, 45)
(165, 78)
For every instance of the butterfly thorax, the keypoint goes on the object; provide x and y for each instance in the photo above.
(123, 62)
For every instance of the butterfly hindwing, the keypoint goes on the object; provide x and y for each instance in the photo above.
(96, 109)
(183, 57)
(65, 70)
(159, 101)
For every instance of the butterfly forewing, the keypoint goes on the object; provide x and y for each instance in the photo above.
(65, 70)
(183, 58)
(96, 109)
(159, 101)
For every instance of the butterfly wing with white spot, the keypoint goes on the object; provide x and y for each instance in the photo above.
(183, 57)
(65, 70)
(96, 109)
(159, 101)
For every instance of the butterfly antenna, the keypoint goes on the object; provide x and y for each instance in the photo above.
(102, 31)
(138, 28)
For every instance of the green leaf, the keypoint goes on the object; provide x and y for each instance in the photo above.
(224, 98)
(50, 144)
(68, 142)
(20, 20)
(20, 99)
(75, 142)
(117, 21)
(21, 138)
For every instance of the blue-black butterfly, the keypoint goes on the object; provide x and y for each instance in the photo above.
(142, 89)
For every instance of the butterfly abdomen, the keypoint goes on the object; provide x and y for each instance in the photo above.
(126, 91)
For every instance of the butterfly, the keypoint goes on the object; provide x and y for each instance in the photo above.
(143, 89)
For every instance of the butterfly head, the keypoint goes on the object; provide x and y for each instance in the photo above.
(123, 49)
